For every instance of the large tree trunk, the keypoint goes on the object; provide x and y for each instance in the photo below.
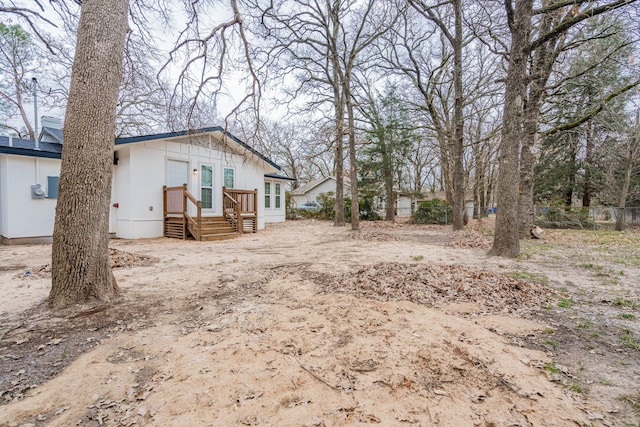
(528, 158)
(353, 171)
(338, 106)
(458, 149)
(80, 260)
(339, 162)
(631, 154)
(507, 238)
(588, 160)
(543, 58)
(622, 199)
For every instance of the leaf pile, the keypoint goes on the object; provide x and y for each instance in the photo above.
(436, 285)
(119, 259)
(122, 259)
(371, 236)
(469, 239)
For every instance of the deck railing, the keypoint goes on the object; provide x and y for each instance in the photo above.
(240, 205)
(181, 207)
(178, 201)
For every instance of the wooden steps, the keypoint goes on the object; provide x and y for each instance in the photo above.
(183, 217)
(212, 228)
(217, 228)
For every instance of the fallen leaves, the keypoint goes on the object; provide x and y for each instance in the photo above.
(470, 239)
(436, 285)
(119, 259)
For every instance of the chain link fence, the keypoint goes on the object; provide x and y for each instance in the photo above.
(545, 216)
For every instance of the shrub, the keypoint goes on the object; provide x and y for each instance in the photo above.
(433, 211)
(557, 215)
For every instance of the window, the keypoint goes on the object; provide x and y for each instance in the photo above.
(267, 195)
(229, 178)
(278, 203)
(52, 186)
(206, 186)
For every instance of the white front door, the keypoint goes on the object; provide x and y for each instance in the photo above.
(177, 173)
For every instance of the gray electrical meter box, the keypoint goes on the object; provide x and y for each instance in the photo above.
(37, 192)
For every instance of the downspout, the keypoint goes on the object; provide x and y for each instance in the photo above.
(35, 112)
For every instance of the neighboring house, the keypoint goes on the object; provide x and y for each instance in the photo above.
(311, 191)
(202, 162)
(468, 200)
(405, 204)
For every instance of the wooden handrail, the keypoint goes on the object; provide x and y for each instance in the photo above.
(237, 206)
(231, 204)
(176, 202)
(228, 196)
(190, 197)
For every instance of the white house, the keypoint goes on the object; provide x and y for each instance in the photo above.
(205, 161)
(310, 191)
(405, 204)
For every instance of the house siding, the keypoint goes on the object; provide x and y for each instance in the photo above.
(140, 212)
(274, 214)
(138, 178)
(314, 193)
(22, 216)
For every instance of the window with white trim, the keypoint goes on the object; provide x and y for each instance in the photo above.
(206, 186)
(278, 196)
(267, 195)
(229, 178)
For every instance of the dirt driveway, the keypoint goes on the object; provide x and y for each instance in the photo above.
(305, 324)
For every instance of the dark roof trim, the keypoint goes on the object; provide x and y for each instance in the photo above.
(143, 138)
(276, 176)
(29, 152)
(26, 147)
(48, 151)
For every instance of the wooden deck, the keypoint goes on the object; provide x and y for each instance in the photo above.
(183, 217)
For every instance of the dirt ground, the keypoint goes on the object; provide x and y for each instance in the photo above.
(306, 324)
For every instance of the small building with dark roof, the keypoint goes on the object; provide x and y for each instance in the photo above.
(210, 164)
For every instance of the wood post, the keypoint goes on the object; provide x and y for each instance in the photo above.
(199, 205)
(164, 211)
(184, 212)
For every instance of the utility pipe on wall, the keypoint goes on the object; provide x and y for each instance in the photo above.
(35, 112)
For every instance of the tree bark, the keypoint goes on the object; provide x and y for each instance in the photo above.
(507, 238)
(458, 133)
(543, 58)
(353, 171)
(338, 105)
(631, 155)
(387, 171)
(80, 258)
(588, 160)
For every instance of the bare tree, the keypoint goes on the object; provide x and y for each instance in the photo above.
(80, 257)
(17, 53)
(630, 158)
(455, 39)
(321, 44)
(520, 18)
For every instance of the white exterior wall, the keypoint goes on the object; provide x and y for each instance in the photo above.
(312, 195)
(274, 214)
(20, 215)
(404, 206)
(138, 179)
(4, 200)
(142, 171)
(468, 205)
